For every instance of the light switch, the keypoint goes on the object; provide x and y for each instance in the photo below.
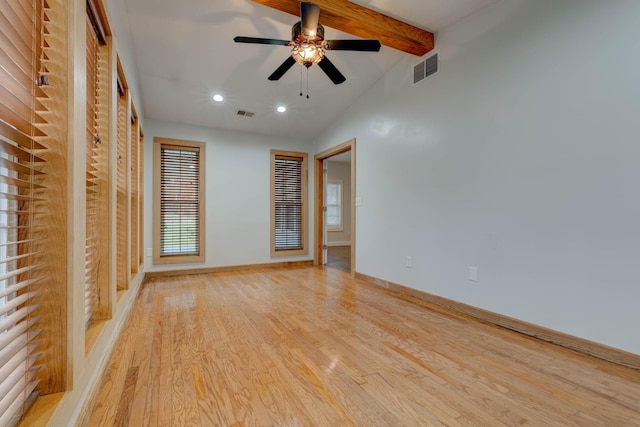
(473, 274)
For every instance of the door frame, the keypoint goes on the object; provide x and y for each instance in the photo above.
(318, 159)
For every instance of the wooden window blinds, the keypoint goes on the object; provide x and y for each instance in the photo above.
(94, 167)
(122, 185)
(289, 193)
(23, 202)
(135, 195)
(181, 191)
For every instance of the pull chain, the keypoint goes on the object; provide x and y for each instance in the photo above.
(300, 81)
(307, 83)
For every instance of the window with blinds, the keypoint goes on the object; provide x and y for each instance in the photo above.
(180, 194)
(93, 164)
(141, 196)
(288, 203)
(23, 202)
(135, 194)
(122, 185)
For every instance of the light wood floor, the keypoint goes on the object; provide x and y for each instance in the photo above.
(313, 347)
(339, 257)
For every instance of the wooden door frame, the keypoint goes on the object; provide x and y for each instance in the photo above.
(319, 197)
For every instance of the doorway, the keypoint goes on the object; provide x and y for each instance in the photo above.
(335, 207)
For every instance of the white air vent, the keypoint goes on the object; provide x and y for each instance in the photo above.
(425, 68)
(245, 113)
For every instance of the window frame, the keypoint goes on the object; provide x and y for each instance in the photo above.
(158, 144)
(304, 159)
(340, 205)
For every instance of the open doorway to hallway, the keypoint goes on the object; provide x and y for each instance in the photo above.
(335, 207)
(337, 218)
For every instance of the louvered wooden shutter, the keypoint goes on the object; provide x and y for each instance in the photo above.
(288, 193)
(22, 175)
(92, 163)
(180, 200)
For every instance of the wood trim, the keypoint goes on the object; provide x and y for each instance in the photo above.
(98, 16)
(571, 342)
(122, 78)
(42, 410)
(305, 197)
(178, 259)
(349, 145)
(231, 268)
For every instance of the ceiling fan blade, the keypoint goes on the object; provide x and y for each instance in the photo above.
(309, 17)
(258, 40)
(282, 69)
(331, 71)
(359, 45)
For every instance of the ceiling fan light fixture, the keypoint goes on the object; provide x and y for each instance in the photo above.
(307, 54)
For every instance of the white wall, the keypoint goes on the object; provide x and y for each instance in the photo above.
(341, 171)
(521, 157)
(237, 207)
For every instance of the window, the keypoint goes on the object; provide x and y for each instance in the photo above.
(288, 203)
(179, 201)
(135, 192)
(32, 199)
(123, 130)
(97, 195)
(334, 205)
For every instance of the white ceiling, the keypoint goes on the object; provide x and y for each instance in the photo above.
(185, 53)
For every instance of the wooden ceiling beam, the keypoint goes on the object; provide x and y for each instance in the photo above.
(359, 21)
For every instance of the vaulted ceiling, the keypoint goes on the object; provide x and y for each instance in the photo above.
(185, 54)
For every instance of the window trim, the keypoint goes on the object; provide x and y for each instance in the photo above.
(158, 143)
(340, 205)
(304, 158)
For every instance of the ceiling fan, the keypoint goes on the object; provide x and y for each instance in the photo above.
(309, 46)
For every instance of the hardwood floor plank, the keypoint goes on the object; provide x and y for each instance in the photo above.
(124, 407)
(309, 346)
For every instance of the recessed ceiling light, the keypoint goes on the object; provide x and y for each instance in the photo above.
(281, 109)
(218, 98)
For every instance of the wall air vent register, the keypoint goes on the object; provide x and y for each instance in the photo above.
(425, 68)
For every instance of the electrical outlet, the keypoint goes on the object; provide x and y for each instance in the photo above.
(473, 274)
(409, 261)
(149, 253)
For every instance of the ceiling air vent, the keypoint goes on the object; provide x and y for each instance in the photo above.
(425, 68)
(245, 113)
